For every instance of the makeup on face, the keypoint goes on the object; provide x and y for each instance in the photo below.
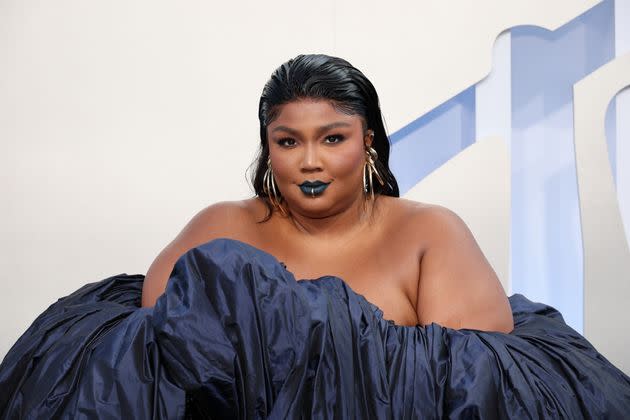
(312, 145)
(313, 188)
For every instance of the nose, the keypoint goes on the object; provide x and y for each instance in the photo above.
(311, 159)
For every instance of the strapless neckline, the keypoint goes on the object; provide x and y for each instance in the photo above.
(374, 308)
(378, 312)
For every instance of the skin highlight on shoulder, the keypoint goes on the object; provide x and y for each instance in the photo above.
(228, 219)
(458, 286)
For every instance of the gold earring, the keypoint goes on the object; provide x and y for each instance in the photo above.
(369, 169)
(269, 188)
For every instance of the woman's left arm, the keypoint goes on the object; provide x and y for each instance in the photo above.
(457, 287)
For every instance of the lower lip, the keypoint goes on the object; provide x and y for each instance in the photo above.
(313, 191)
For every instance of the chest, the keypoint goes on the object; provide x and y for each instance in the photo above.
(386, 273)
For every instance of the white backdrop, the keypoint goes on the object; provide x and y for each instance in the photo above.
(119, 120)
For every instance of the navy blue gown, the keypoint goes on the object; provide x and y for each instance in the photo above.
(236, 336)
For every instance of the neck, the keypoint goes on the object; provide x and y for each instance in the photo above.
(348, 220)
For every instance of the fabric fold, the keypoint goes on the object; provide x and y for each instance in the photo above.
(235, 335)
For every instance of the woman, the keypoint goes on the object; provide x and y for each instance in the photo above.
(402, 316)
(319, 122)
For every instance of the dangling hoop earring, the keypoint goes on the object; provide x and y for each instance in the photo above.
(369, 169)
(269, 188)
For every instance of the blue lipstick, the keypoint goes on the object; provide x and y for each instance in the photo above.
(313, 188)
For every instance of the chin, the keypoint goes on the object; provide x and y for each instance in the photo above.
(313, 207)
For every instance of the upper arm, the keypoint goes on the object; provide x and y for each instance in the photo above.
(210, 223)
(457, 287)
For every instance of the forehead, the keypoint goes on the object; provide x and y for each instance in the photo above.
(306, 113)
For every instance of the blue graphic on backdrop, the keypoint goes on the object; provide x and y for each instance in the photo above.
(546, 243)
(424, 145)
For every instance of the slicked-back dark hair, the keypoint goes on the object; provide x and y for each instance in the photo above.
(319, 76)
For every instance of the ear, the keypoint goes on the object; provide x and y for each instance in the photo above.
(368, 138)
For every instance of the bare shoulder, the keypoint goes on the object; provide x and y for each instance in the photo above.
(458, 288)
(424, 210)
(226, 210)
(403, 206)
(420, 219)
(437, 219)
(227, 219)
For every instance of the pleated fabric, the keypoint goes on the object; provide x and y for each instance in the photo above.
(236, 336)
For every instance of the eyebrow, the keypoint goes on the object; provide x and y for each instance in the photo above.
(319, 131)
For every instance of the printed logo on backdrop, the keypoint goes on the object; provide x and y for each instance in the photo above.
(558, 186)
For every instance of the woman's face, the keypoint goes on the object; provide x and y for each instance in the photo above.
(317, 155)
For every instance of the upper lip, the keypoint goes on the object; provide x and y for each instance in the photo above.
(312, 184)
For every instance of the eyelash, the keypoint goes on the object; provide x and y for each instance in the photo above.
(338, 136)
(283, 141)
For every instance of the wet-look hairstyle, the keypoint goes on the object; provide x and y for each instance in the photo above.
(318, 76)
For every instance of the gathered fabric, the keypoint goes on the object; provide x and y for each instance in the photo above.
(235, 335)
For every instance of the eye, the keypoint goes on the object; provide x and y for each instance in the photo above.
(335, 138)
(286, 142)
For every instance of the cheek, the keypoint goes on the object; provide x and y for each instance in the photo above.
(282, 165)
(348, 161)
(280, 162)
